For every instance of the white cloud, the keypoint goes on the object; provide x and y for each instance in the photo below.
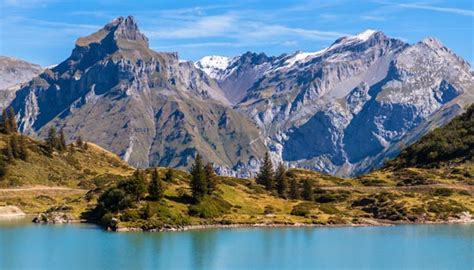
(458, 11)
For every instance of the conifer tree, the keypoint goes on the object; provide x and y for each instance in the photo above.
(72, 150)
(15, 146)
(265, 176)
(211, 178)
(23, 151)
(3, 169)
(85, 146)
(169, 175)
(51, 140)
(198, 179)
(136, 186)
(79, 141)
(9, 150)
(156, 187)
(12, 120)
(281, 180)
(5, 122)
(308, 192)
(294, 189)
(62, 141)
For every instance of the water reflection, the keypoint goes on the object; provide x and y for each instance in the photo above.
(29, 246)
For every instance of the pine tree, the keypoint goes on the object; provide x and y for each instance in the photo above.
(23, 151)
(211, 178)
(169, 175)
(5, 122)
(12, 121)
(294, 189)
(51, 140)
(136, 186)
(198, 179)
(79, 141)
(15, 146)
(62, 141)
(72, 150)
(85, 146)
(3, 169)
(308, 192)
(281, 181)
(265, 176)
(156, 187)
(9, 151)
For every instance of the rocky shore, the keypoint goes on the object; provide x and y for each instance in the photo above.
(464, 218)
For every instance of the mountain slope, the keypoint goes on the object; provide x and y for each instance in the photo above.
(344, 109)
(148, 107)
(14, 72)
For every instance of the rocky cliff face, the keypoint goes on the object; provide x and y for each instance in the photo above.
(145, 106)
(343, 109)
(13, 73)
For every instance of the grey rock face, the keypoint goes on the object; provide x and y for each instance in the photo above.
(13, 73)
(148, 107)
(344, 109)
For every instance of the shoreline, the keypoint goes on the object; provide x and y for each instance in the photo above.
(372, 223)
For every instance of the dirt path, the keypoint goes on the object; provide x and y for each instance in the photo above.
(43, 188)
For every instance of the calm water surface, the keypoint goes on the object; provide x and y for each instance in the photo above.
(28, 246)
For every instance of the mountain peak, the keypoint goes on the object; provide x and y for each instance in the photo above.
(120, 29)
(432, 42)
(365, 35)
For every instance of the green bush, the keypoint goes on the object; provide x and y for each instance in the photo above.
(302, 209)
(445, 192)
(210, 207)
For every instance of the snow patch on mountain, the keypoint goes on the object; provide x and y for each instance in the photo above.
(213, 65)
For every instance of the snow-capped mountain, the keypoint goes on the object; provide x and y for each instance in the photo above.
(342, 109)
(214, 65)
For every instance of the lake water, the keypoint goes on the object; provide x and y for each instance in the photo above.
(29, 246)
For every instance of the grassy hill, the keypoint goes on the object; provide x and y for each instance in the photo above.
(437, 189)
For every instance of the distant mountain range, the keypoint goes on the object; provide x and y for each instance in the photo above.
(341, 110)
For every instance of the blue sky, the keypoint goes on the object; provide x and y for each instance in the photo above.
(44, 31)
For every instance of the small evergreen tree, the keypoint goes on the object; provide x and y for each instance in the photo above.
(308, 192)
(198, 179)
(15, 146)
(169, 175)
(85, 146)
(62, 141)
(136, 186)
(211, 178)
(265, 176)
(156, 187)
(5, 122)
(281, 181)
(79, 141)
(72, 150)
(294, 189)
(9, 151)
(3, 168)
(23, 151)
(12, 120)
(51, 140)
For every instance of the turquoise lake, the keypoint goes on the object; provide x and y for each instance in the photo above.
(29, 246)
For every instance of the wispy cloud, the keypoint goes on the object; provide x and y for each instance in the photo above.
(210, 26)
(458, 11)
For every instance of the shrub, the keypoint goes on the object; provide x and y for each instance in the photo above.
(302, 209)
(210, 207)
(445, 192)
